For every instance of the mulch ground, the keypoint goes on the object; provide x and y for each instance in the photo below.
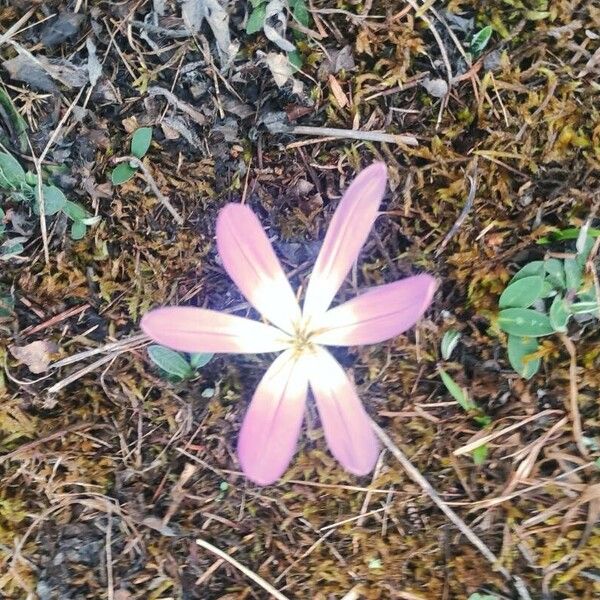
(111, 471)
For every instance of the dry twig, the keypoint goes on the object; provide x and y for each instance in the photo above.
(240, 567)
(136, 162)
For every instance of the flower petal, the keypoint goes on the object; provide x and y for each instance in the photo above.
(345, 422)
(190, 329)
(377, 315)
(250, 261)
(271, 426)
(348, 231)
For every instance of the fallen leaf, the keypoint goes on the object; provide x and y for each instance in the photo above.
(39, 72)
(437, 88)
(280, 67)
(275, 12)
(194, 12)
(335, 61)
(338, 92)
(66, 25)
(94, 67)
(156, 524)
(35, 355)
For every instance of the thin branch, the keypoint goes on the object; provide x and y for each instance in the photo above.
(463, 213)
(353, 134)
(136, 162)
(573, 407)
(240, 567)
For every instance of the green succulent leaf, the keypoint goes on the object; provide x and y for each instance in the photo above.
(480, 40)
(121, 173)
(78, 229)
(524, 322)
(560, 313)
(54, 200)
(573, 273)
(140, 142)
(12, 174)
(555, 273)
(522, 293)
(170, 361)
(75, 211)
(200, 359)
(535, 267)
(518, 350)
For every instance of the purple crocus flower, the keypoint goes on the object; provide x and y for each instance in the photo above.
(271, 427)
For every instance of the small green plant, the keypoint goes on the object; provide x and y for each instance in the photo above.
(176, 364)
(541, 299)
(261, 14)
(22, 186)
(449, 343)
(140, 144)
(7, 304)
(480, 40)
(461, 395)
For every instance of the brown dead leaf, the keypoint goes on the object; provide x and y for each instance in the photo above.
(35, 355)
(338, 92)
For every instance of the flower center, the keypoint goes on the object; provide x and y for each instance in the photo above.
(301, 340)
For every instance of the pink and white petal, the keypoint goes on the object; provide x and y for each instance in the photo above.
(377, 315)
(346, 235)
(190, 329)
(250, 261)
(271, 427)
(346, 424)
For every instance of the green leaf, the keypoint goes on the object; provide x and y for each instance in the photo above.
(525, 322)
(573, 273)
(586, 248)
(256, 20)
(584, 307)
(559, 314)
(562, 235)
(78, 229)
(477, 596)
(518, 350)
(140, 142)
(555, 273)
(54, 200)
(535, 267)
(537, 15)
(449, 342)
(169, 361)
(10, 248)
(480, 40)
(522, 293)
(457, 392)
(12, 173)
(295, 59)
(300, 12)
(75, 211)
(15, 121)
(200, 359)
(479, 454)
(256, 3)
(121, 173)
(7, 306)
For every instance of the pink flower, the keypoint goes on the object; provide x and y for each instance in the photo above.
(272, 424)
